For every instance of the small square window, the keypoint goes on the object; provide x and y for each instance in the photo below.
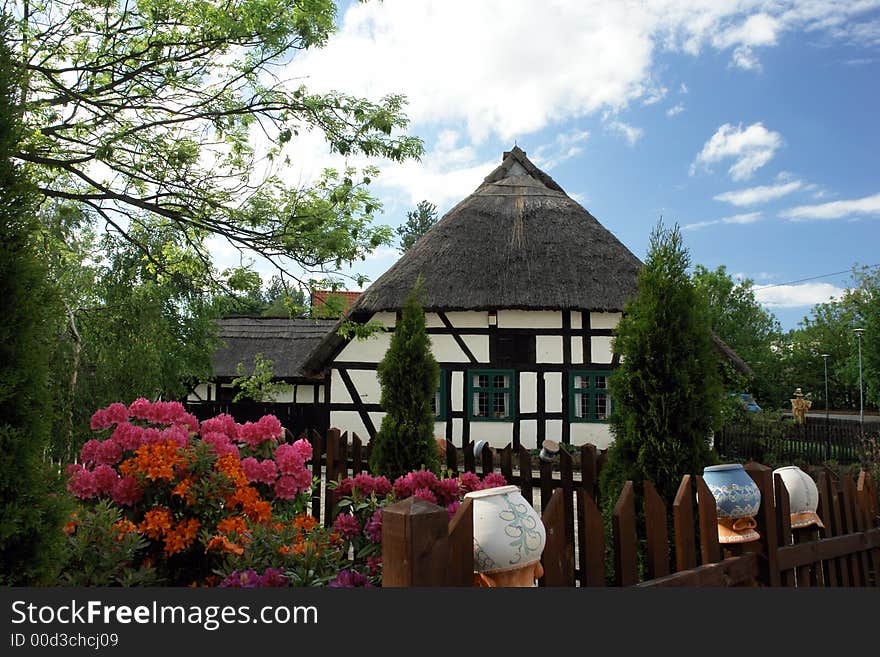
(590, 401)
(492, 395)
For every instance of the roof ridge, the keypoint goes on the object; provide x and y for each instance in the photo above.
(518, 155)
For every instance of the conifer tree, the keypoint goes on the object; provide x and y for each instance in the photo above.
(409, 376)
(665, 394)
(30, 514)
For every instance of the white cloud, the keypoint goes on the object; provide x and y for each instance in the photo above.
(628, 132)
(867, 206)
(744, 57)
(565, 146)
(675, 109)
(751, 148)
(795, 296)
(760, 194)
(654, 96)
(757, 30)
(683, 89)
(747, 218)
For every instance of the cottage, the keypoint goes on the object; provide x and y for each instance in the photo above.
(524, 289)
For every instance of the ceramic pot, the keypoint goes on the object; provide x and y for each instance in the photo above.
(736, 494)
(803, 496)
(508, 532)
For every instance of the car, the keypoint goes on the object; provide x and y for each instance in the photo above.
(748, 402)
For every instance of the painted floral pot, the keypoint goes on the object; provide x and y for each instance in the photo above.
(803, 496)
(735, 492)
(508, 532)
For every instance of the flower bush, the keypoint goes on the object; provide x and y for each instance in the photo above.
(199, 497)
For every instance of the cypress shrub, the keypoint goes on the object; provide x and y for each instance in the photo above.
(409, 376)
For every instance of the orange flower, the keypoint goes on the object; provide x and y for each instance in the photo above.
(124, 527)
(182, 536)
(70, 527)
(224, 544)
(232, 525)
(305, 523)
(157, 522)
(230, 465)
(183, 489)
(251, 504)
(156, 461)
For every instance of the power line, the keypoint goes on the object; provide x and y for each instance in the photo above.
(811, 278)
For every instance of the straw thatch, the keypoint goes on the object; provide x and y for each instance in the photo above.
(517, 242)
(286, 342)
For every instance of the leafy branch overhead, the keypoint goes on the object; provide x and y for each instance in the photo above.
(154, 112)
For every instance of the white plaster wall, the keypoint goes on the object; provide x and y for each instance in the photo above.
(604, 320)
(367, 384)
(553, 430)
(305, 394)
(528, 434)
(548, 348)
(457, 391)
(377, 422)
(457, 430)
(285, 396)
(596, 433)
(529, 319)
(432, 320)
(321, 394)
(553, 392)
(577, 320)
(577, 349)
(338, 391)
(200, 393)
(600, 349)
(528, 392)
(349, 421)
(371, 350)
(446, 349)
(479, 346)
(440, 430)
(497, 434)
(388, 320)
(469, 319)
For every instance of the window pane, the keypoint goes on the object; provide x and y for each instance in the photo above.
(601, 381)
(580, 382)
(481, 380)
(602, 407)
(435, 404)
(581, 405)
(500, 381)
(481, 404)
(500, 404)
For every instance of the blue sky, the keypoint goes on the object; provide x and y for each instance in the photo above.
(751, 124)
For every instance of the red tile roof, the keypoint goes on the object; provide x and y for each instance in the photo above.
(319, 297)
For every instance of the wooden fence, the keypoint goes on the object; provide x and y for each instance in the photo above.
(649, 546)
(814, 442)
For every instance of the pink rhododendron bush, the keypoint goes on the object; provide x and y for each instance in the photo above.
(168, 500)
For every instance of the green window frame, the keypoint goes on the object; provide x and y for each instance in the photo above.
(589, 399)
(491, 395)
(438, 402)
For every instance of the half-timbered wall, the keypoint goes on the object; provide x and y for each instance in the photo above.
(542, 350)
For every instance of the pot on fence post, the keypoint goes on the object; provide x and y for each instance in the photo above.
(803, 496)
(737, 501)
(509, 538)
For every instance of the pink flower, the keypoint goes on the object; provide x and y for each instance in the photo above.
(381, 486)
(447, 491)
(249, 433)
(176, 433)
(493, 480)
(403, 486)
(271, 427)
(268, 472)
(426, 494)
(126, 491)
(129, 436)
(470, 482)
(140, 408)
(89, 451)
(303, 479)
(304, 447)
(189, 421)
(99, 420)
(109, 452)
(374, 565)
(252, 469)
(452, 509)
(347, 526)
(424, 479)
(364, 483)
(151, 436)
(105, 478)
(373, 527)
(287, 487)
(289, 459)
(222, 423)
(344, 488)
(117, 413)
(82, 483)
(163, 412)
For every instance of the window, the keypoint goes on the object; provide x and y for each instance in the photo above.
(438, 401)
(491, 395)
(514, 349)
(590, 399)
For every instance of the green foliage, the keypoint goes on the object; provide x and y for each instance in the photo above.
(409, 376)
(417, 223)
(258, 386)
(334, 307)
(169, 95)
(31, 507)
(103, 550)
(666, 391)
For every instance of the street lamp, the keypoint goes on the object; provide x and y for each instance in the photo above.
(827, 428)
(859, 332)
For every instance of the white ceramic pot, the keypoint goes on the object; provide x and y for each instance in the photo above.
(803, 496)
(508, 532)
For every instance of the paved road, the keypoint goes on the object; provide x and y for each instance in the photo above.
(842, 416)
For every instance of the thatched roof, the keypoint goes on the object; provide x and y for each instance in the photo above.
(286, 342)
(517, 242)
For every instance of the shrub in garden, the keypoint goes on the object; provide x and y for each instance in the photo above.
(204, 502)
(409, 376)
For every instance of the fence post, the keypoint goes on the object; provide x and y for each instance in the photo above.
(766, 518)
(623, 526)
(461, 545)
(558, 556)
(415, 544)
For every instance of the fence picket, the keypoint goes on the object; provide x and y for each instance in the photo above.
(866, 502)
(829, 567)
(856, 525)
(525, 475)
(461, 545)
(623, 524)
(710, 549)
(558, 556)
(783, 525)
(683, 524)
(591, 541)
(506, 460)
(656, 532)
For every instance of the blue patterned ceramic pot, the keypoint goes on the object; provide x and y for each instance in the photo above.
(508, 532)
(735, 492)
